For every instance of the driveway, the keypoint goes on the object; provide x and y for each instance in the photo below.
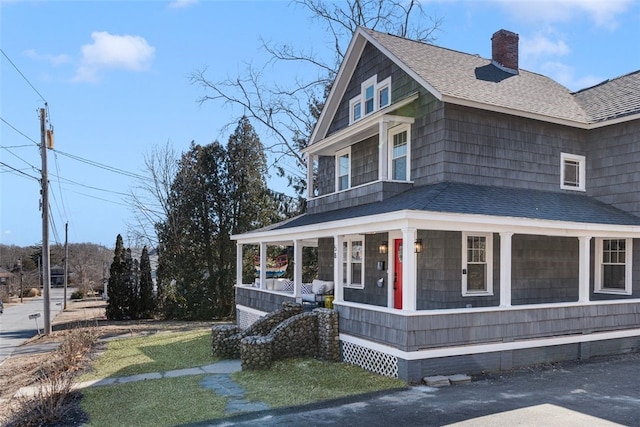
(15, 325)
(596, 393)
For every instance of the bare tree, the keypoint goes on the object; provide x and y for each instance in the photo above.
(286, 115)
(149, 198)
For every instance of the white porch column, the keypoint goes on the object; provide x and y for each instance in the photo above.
(583, 270)
(239, 261)
(338, 253)
(263, 265)
(409, 264)
(505, 269)
(383, 151)
(310, 159)
(297, 269)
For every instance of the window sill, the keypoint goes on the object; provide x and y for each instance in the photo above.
(612, 291)
(477, 294)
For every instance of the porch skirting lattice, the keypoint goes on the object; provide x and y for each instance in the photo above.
(369, 359)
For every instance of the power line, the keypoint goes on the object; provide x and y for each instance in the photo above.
(100, 165)
(19, 171)
(23, 76)
(18, 131)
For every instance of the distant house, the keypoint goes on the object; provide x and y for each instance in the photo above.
(57, 276)
(6, 277)
(469, 214)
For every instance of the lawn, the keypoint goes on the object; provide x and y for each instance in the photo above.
(174, 401)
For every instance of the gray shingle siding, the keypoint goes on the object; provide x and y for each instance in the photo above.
(613, 165)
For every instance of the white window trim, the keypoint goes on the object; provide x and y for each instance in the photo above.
(352, 103)
(394, 131)
(360, 98)
(628, 268)
(581, 173)
(386, 83)
(339, 154)
(489, 262)
(348, 279)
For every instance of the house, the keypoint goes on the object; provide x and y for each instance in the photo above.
(57, 276)
(471, 215)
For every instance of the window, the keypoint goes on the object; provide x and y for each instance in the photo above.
(572, 172)
(613, 266)
(353, 262)
(399, 145)
(368, 100)
(373, 96)
(356, 109)
(477, 264)
(343, 170)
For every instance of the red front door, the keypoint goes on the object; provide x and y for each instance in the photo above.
(397, 272)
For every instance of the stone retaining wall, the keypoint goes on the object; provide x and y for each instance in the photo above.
(225, 339)
(313, 334)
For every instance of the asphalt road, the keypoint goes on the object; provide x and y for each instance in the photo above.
(15, 325)
(602, 392)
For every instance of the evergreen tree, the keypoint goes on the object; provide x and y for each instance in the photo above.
(217, 192)
(147, 301)
(116, 286)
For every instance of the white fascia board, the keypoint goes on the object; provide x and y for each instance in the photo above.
(348, 66)
(615, 121)
(426, 220)
(361, 126)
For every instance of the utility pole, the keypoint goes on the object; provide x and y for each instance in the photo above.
(66, 263)
(46, 251)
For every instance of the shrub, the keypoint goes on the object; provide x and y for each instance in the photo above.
(77, 295)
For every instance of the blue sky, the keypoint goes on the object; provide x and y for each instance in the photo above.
(115, 77)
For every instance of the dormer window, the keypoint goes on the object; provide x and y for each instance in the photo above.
(572, 172)
(373, 96)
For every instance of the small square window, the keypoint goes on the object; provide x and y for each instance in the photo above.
(572, 172)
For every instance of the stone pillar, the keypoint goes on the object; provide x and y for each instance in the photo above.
(256, 353)
(221, 345)
(328, 335)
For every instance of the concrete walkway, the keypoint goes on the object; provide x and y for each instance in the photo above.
(218, 380)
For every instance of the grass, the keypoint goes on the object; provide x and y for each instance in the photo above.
(175, 401)
(156, 353)
(164, 402)
(295, 382)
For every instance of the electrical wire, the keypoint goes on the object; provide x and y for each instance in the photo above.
(100, 165)
(18, 171)
(18, 131)
(23, 76)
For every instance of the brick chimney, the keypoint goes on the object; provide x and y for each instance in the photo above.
(504, 50)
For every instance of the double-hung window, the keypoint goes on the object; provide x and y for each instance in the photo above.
(343, 169)
(373, 96)
(613, 266)
(572, 172)
(353, 262)
(399, 138)
(477, 264)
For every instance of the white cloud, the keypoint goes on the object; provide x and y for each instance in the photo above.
(603, 13)
(566, 76)
(541, 45)
(109, 51)
(54, 60)
(179, 4)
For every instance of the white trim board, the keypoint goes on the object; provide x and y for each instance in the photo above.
(490, 347)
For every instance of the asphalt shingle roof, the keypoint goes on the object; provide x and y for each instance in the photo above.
(471, 77)
(611, 99)
(471, 199)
